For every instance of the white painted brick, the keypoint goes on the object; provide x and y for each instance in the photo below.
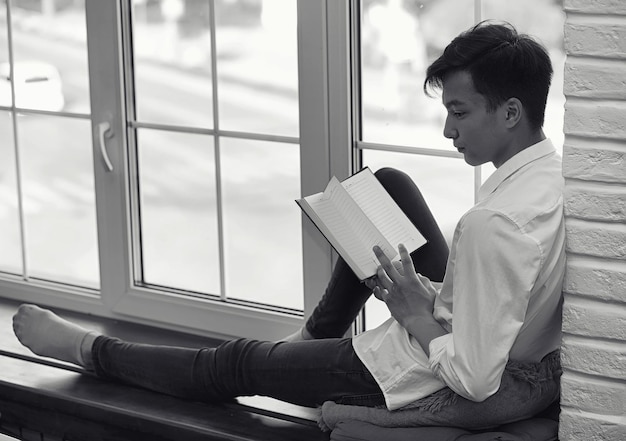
(594, 310)
(587, 78)
(589, 318)
(595, 6)
(593, 395)
(596, 239)
(601, 279)
(595, 357)
(594, 164)
(601, 203)
(576, 425)
(595, 119)
(596, 39)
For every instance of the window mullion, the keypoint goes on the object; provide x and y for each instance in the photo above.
(107, 105)
(315, 141)
(217, 150)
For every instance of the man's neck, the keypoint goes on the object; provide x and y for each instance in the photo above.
(519, 143)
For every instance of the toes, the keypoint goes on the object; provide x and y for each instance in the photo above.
(22, 317)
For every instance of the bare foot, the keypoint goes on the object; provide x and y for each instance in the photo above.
(48, 335)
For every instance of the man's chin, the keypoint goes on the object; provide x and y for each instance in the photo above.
(474, 162)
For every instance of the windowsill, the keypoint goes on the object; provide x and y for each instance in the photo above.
(55, 399)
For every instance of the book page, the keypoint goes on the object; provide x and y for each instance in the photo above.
(347, 228)
(357, 221)
(335, 223)
(382, 210)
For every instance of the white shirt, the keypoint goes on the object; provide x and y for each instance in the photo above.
(504, 277)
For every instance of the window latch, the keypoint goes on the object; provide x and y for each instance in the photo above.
(105, 132)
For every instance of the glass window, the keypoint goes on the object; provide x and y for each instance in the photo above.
(59, 205)
(261, 181)
(257, 66)
(50, 213)
(398, 41)
(255, 59)
(179, 231)
(171, 55)
(218, 179)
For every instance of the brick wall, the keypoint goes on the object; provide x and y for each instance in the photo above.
(593, 397)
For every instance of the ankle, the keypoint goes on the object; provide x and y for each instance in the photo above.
(85, 350)
(306, 335)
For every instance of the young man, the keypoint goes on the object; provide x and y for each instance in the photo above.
(501, 294)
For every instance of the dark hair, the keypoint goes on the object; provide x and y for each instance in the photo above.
(502, 63)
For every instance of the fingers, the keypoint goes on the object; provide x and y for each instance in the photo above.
(398, 265)
(405, 258)
(394, 270)
(384, 281)
(378, 293)
(371, 282)
(385, 262)
(422, 278)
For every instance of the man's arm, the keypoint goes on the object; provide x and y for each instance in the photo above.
(496, 265)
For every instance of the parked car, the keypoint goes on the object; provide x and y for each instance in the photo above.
(38, 86)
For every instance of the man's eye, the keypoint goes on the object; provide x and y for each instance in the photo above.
(459, 114)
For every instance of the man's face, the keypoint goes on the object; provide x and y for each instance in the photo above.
(478, 134)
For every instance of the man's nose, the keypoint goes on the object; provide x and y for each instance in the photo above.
(449, 131)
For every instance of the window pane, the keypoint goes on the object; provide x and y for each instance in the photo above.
(544, 20)
(262, 223)
(398, 41)
(172, 62)
(59, 202)
(257, 66)
(447, 185)
(50, 52)
(179, 234)
(257, 93)
(11, 256)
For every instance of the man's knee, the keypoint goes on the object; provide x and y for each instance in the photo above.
(391, 177)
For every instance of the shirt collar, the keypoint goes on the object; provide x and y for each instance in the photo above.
(526, 156)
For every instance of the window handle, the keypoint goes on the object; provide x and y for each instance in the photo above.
(104, 132)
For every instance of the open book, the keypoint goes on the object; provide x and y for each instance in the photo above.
(358, 213)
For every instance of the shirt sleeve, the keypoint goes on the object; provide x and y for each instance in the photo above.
(496, 267)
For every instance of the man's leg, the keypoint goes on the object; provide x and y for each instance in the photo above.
(305, 373)
(345, 295)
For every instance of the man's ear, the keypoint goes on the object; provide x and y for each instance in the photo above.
(513, 112)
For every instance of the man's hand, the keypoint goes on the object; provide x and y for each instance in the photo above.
(407, 294)
(372, 282)
(409, 297)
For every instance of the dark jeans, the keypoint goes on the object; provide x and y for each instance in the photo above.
(305, 373)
